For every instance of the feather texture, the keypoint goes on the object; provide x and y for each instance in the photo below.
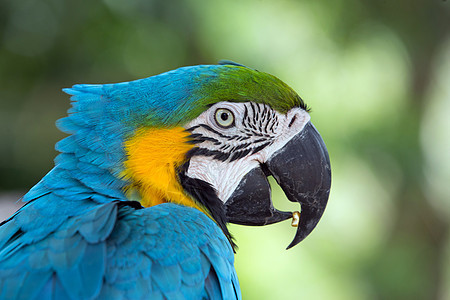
(77, 237)
(115, 251)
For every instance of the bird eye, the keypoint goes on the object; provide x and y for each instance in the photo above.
(224, 117)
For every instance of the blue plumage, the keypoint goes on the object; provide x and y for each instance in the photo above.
(115, 251)
(78, 238)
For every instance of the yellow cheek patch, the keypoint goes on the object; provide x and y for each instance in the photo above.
(153, 156)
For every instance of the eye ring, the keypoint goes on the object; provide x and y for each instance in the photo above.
(224, 118)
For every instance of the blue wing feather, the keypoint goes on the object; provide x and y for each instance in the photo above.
(111, 250)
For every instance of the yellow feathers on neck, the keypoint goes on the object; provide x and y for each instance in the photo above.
(153, 156)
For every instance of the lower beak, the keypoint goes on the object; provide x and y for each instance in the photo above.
(302, 169)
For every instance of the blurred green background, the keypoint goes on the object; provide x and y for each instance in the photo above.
(376, 74)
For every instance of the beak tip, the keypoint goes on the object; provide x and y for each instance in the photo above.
(292, 244)
(297, 239)
(308, 220)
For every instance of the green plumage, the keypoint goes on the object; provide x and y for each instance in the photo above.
(241, 84)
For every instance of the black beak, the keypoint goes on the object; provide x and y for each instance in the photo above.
(302, 169)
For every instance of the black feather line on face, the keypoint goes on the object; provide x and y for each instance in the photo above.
(208, 128)
(244, 145)
(273, 124)
(205, 194)
(216, 154)
(198, 138)
(239, 154)
(245, 118)
(260, 147)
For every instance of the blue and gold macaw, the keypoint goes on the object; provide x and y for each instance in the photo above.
(152, 171)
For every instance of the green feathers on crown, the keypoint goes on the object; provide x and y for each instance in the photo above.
(237, 83)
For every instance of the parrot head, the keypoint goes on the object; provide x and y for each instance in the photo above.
(206, 136)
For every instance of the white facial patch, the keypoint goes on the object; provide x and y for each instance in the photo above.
(226, 154)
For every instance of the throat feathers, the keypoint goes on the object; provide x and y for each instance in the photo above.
(153, 157)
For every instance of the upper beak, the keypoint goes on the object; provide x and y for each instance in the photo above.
(302, 169)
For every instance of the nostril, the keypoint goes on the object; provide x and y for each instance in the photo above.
(292, 120)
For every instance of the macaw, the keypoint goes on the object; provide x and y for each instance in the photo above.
(138, 201)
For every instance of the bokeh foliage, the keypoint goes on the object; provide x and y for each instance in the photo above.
(376, 74)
